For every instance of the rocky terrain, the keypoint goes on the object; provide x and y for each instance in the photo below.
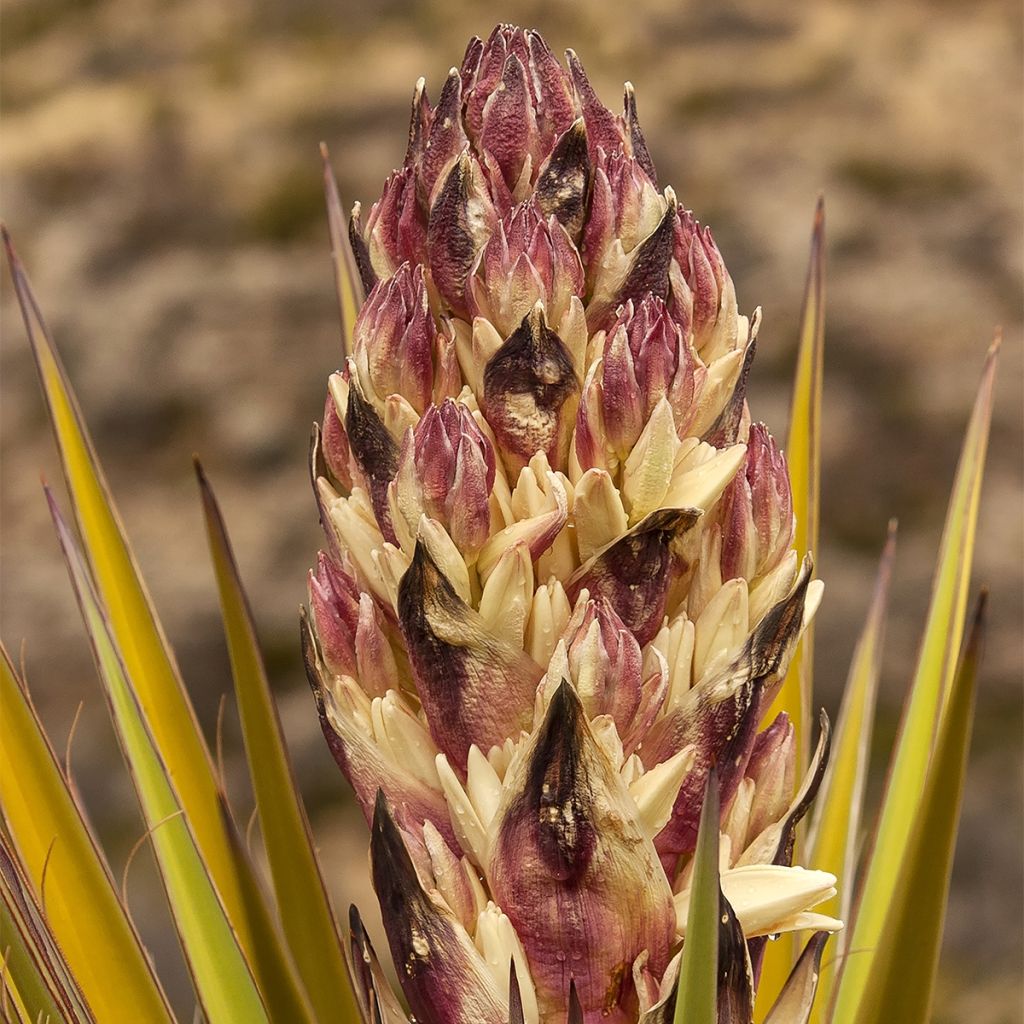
(161, 177)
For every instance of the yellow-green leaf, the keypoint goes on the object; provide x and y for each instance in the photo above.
(697, 991)
(346, 274)
(835, 831)
(309, 924)
(49, 834)
(803, 457)
(928, 695)
(902, 977)
(223, 981)
(150, 665)
(38, 974)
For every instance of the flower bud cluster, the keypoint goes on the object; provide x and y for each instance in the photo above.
(559, 586)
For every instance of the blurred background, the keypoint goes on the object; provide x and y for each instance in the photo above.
(161, 177)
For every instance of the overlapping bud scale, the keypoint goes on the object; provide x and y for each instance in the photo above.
(559, 584)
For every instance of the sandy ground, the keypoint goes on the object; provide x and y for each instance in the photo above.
(161, 177)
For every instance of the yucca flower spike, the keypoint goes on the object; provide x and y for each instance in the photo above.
(559, 584)
(559, 640)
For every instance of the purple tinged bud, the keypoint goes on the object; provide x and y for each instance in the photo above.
(757, 511)
(334, 603)
(396, 229)
(635, 573)
(624, 206)
(635, 135)
(739, 541)
(445, 139)
(564, 181)
(771, 498)
(540, 98)
(530, 394)
(474, 687)
(454, 466)
(444, 977)
(646, 358)
(529, 258)
(552, 91)
(604, 129)
(395, 339)
(621, 400)
(697, 256)
(569, 856)
(605, 663)
(374, 452)
(334, 446)
(462, 218)
(772, 767)
(509, 132)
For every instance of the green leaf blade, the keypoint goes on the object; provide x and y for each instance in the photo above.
(150, 664)
(223, 981)
(803, 457)
(308, 921)
(902, 978)
(929, 693)
(697, 992)
(49, 834)
(835, 831)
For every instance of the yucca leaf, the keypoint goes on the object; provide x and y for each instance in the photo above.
(834, 834)
(909, 767)
(150, 665)
(696, 999)
(903, 967)
(306, 915)
(798, 994)
(223, 981)
(803, 455)
(45, 987)
(49, 833)
(347, 280)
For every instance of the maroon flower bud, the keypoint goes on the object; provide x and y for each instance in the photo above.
(529, 258)
(395, 339)
(772, 767)
(569, 855)
(446, 471)
(757, 511)
(646, 358)
(699, 290)
(444, 976)
(634, 574)
(462, 218)
(625, 208)
(444, 140)
(605, 663)
(395, 230)
(474, 687)
(530, 394)
(537, 98)
(334, 604)
(771, 497)
(334, 445)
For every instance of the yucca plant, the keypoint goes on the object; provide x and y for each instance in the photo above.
(558, 639)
